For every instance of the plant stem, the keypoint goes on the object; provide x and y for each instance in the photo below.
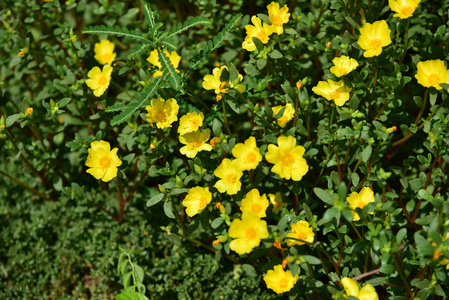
(224, 116)
(406, 41)
(366, 274)
(33, 190)
(376, 74)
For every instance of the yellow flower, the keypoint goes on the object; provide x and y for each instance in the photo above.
(154, 60)
(190, 122)
(213, 82)
(332, 90)
(276, 200)
(162, 112)
(247, 233)
(229, 172)
(289, 113)
(247, 154)
(287, 158)
(300, 231)
(373, 37)
(195, 142)
(102, 161)
(104, 52)
(279, 280)
(352, 289)
(431, 73)
(255, 203)
(99, 79)
(360, 200)
(278, 17)
(404, 8)
(343, 65)
(196, 200)
(257, 31)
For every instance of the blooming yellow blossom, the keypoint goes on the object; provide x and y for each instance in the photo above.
(332, 90)
(287, 158)
(162, 112)
(288, 115)
(194, 142)
(190, 122)
(99, 79)
(276, 200)
(247, 233)
(104, 52)
(431, 73)
(257, 31)
(154, 60)
(102, 161)
(343, 65)
(213, 82)
(301, 231)
(373, 37)
(278, 17)
(255, 203)
(247, 154)
(280, 281)
(403, 8)
(368, 292)
(360, 200)
(229, 172)
(196, 200)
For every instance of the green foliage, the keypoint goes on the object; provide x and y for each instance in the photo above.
(67, 235)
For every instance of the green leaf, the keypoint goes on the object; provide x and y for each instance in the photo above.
(138, 273)
(249, 270)
(127, 280)
(137, 49)
(11, 119)
(216, 42)
(156, 199)
(130, 295)
(360, 246)
(141, 100)
(188, 24)
(366, 154)
(150, 16)
(352, 22)
(311, 259)
(169, 70)
(115, 30)
(387, 269)
(275, 54)
(116, 107)
(15, 61)
(258, 43)
(324, 196)
(168, 209)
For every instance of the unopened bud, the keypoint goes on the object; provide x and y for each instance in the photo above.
(219, 97)
(215, 141)
(162, 188)
(29, 111)
(299, 85)
(328, 45)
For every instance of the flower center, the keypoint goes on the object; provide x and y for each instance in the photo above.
(287, 160)
(106, 57)
(256, 208)
(262, 36)
(250, 234)
(231, 178)
(283, 283)
(196, 144)
(434, 79)
(105, 162)
(407, 10)
(102, 80)
(251, 157)
(335, 95)
(276, 20)
(375, 43)
(202, 203)
(160, 116)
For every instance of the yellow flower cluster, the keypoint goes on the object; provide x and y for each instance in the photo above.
(277, 16)
(368, 292)
(213, 82)
(154, 60)
(99, 80)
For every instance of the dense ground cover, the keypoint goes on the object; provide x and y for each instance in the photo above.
(224, 149)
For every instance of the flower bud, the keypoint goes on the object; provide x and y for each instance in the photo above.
(29, 111)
